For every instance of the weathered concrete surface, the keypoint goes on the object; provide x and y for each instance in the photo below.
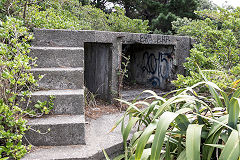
(65, 101)
(57, 130)
(60, 78)
(61, 38)
(58, 56)
(97, 138)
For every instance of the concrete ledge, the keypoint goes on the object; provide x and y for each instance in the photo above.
(57, 130)
(62, 38)
(65, 102)
(58, 56)
(59, 78)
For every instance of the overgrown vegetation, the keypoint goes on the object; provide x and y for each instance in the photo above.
(16, 85)
(185, 126)
(70, 14)
(17, 19)
(159, 13)
(216, 50)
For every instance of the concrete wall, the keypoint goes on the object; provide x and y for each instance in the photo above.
(151, 65)
(98, 68)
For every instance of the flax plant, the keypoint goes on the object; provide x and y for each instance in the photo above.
(186, 126)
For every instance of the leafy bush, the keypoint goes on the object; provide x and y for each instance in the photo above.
(16, 84)
(217, 48)
(71, 15)
(185, 126)
(12, 128)
(14, 61)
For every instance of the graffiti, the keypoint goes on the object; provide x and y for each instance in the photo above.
(159, 39)
(148, 39)
(157, 65)
(163, 39)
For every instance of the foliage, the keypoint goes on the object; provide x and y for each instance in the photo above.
(16, 85)
(186, 125)
(12, 128)
(14, 61)
(160, 13)
(216, 50)
(71, 14)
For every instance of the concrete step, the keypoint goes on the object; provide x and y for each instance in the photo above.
(65, 102)
(58, 56)
(97, 139)
(62, 38)
(57, 130)
(60, 78)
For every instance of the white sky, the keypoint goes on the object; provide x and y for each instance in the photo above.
(233, 3)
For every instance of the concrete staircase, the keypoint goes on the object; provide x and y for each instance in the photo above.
(63, 69)
(63, 132)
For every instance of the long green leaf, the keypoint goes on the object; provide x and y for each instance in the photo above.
(162, 126)
(182, 155)
(212, 90)
(207, 149)
(182, 122)
(236, 94)
(193, 141)
(220, 146)
(231, 149)
(106, 155)
(128, 128)
(233, 113)
(216, 126)
(144, 138)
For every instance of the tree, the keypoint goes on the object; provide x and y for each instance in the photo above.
(159, 13)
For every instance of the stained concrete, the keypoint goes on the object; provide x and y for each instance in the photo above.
(58, 130)
(58, 56)
(65, 101)
(60, 78)
(97, 138)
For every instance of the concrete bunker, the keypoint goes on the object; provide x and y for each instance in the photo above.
(155, 60)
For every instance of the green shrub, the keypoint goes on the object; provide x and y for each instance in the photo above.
(70, 14)
(217, 48)
(15, 61)
(185, 126)
(12, 128)
(16, 85)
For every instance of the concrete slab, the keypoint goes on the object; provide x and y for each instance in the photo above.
(58, 56)
(65, 102)
(60, 78)
(56, 130)
(62, 38)
(97, 138)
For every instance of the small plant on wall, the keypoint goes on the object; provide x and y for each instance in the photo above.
(122, 73)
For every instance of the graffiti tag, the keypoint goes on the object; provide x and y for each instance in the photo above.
(157, 65)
